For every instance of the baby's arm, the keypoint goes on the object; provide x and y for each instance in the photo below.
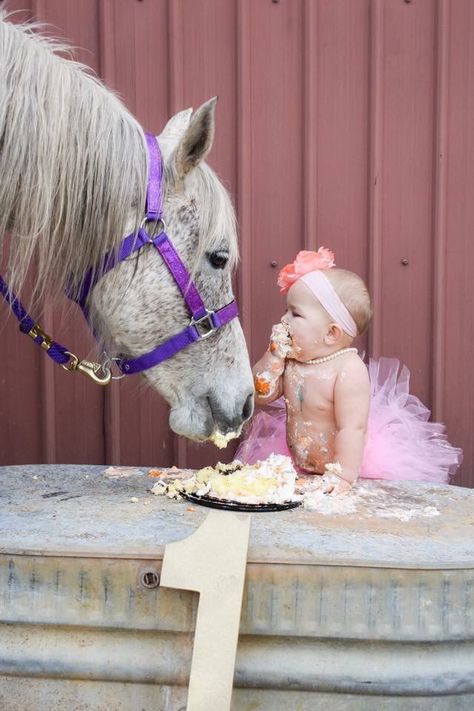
(351, 413)
(269, 369)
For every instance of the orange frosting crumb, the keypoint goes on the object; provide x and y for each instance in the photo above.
(155, 473)
(262, 386)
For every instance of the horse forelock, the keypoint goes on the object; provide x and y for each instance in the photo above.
(216, 215)
(73, 162)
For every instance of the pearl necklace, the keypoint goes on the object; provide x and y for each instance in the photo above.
(331, 356)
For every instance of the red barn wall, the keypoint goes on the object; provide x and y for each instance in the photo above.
(344, 123)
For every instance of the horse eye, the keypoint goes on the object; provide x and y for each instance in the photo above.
(218, 260)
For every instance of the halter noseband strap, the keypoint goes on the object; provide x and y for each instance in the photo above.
(203, 322)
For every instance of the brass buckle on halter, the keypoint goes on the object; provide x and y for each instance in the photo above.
(98, 373)
(37, 332)
(204, 325)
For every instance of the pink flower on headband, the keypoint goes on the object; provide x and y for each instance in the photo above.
(304, 263)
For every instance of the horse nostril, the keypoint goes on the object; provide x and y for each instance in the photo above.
(248, 408)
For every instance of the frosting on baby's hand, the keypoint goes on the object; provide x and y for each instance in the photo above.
(333, 468)
(332, 482)
(264, 384)
(280, 341)
(333, 485)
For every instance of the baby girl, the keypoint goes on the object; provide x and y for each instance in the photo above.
(328, 393)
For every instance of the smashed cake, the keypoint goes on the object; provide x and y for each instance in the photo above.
(271, 481)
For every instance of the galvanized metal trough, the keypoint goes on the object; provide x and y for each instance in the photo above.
(367, 604)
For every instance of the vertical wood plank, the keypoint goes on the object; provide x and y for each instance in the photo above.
(244, 188)
(375, 175)
(458, 412)
(339, 129)
(407, 202)
(440, 149)
(309, 124)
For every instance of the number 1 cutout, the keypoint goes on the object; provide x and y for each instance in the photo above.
(212, 561)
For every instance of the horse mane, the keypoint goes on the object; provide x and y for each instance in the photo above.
(217, 222)
(73, 162)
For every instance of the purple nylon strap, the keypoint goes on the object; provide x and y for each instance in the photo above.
(55, 351)
(181, 275)
(176, 343)
(133, 242)
(155, 179)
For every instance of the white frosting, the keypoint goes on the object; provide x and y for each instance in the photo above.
(222, 440)
(269, 481)
(334, 468)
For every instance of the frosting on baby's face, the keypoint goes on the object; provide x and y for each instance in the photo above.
(308, 323)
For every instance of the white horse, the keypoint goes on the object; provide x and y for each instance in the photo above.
(73, 177)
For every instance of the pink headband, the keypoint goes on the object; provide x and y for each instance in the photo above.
(326, 294)
(308, 267)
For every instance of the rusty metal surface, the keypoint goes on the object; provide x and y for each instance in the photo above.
(79, 510)
(352, 611)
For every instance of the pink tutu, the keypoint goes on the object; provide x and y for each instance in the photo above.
(401, 443)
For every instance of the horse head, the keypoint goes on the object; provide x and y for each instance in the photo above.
(138, 305)
(73, 181)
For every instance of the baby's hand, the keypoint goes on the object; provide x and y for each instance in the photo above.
(334, 485)
(280, 341)
(332, 481)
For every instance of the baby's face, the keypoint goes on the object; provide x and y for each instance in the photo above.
(307, 320)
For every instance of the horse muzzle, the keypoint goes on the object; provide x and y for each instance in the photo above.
(202, 418)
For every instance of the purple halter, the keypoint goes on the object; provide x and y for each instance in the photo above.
(203, 322)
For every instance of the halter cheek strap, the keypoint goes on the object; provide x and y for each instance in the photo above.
(325, 293)
(154, 198)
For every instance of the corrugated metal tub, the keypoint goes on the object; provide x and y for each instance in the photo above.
(368, 607)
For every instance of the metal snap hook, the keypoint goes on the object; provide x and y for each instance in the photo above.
(97, 372)
(110, 360)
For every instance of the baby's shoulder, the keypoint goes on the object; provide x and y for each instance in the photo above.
(351, 365)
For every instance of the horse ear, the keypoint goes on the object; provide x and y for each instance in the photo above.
(197, 140)
(173, 131)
